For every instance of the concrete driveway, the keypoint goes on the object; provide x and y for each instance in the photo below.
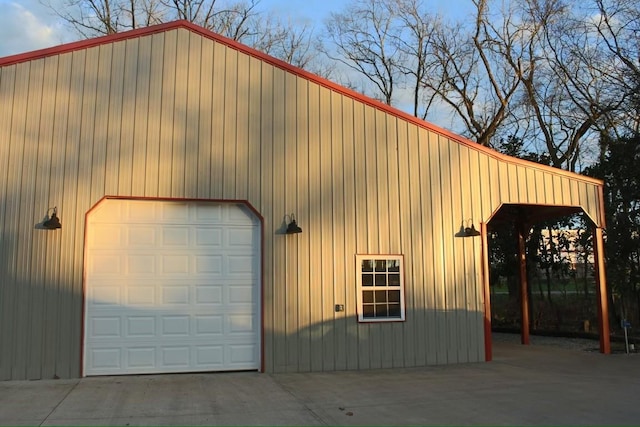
(524, 385)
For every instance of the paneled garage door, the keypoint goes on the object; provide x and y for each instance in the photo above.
(171, 287)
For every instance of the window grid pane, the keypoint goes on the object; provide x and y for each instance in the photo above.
(381, 288)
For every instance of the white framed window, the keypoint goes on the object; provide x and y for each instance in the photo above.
(380, 280)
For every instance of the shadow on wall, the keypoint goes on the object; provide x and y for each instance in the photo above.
(40, 309)
(427, 337)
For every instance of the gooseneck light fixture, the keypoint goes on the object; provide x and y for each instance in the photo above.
(467, 229)
(293, 227)
(53, 222)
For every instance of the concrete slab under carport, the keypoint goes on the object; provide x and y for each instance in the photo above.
(524, 385)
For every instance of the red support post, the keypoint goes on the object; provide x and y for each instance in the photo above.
(601, 291)
(488, 345)
(524, 294)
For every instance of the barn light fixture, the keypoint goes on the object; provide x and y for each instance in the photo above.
(53, 222)
(467, 229)
(293, 227)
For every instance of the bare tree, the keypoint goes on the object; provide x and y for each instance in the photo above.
(417, 30)
(293, 43)
(90, 18)
(568, 97)
(618, 28)
(363, 36)
(239, 20)
(474, 69)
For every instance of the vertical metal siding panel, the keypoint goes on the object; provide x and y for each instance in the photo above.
(302, 215)
(115, 118)
(556, 184)
(69, 213)
(583, 196)
(290, 198)
(396, 330)
(592, 206)
(141, 117)
(417, 276)
(371, 167)
(484, 189)
(423, 218)
(280, 284)
(98, 161)
(532, 186)
(566, 191)
(575, 193)
(506, 181)
(522, 181)
(218, 118)
(192, 125)
(545, 189)
(30, 301)
(266, 201)
(405, 351)
(315, 267)
(326, 229)
(315, 236)
(242, 127)
(54, 270)
(254, 137)
(205, 112)
(384, 337)
(451, 207)
(7, 287)
(461, 168)
(361, 208)
(413, 315)
(513, 180)
(15, 259)
(154, 121)
(167, 114)
(591, 202)
(495, 186)
(230, 125)
(371, 174)
(395, 244)
(472, 257)
(42, 366)
(338, 231)
(481, 212)
(382, 184)
(89, 77)
(436, 212)
(127, 135)
(349, 316)
(181, 90)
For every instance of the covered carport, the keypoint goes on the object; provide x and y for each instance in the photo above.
(522, 217)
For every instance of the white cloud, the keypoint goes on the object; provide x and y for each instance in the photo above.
(28, 26)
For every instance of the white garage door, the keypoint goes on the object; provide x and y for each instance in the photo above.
(171, 287)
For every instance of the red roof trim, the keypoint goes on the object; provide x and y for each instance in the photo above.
(140, 32)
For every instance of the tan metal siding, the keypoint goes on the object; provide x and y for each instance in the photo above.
(18, 165)
(301, 250)
(7, 82)
(348, 295)
(175, 114)
(313, 225)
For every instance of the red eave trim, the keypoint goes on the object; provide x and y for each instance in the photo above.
(140, 32)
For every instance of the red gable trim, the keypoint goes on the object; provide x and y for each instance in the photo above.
(140, 32)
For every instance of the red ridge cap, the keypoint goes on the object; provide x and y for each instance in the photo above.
(140, 32)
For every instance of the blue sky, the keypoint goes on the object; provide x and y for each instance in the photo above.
(27, 25)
